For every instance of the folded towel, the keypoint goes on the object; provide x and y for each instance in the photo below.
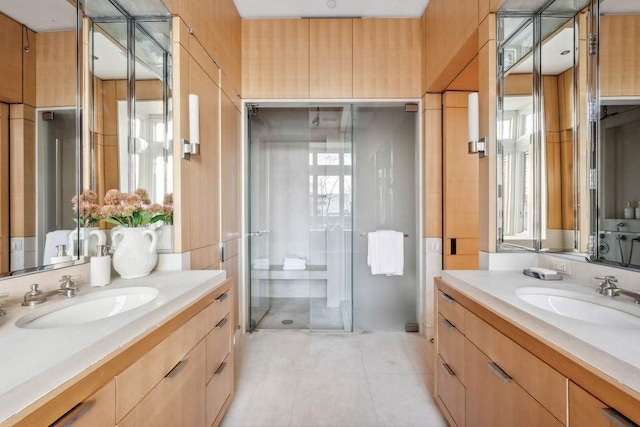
(294, 262)
(385, 252)
(260, 264)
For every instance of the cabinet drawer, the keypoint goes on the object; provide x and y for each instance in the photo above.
(540, 380)
(451, 346)
(494, 399)
(178, 399)
(451, 310)
(218, 309)
(138, 379)
(218, 345)
(96, 411)
(219, 389)
(586, 410)
(451, 392)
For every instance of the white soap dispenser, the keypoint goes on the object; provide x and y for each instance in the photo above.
(629, 212)
(638, 211)
(61, 257)
(101, 267)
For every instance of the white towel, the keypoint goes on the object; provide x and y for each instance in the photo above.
(53, 239)
(385, 252)
(261, 264)
(294, 262)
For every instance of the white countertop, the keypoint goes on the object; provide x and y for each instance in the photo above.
(613, 351)
(35, 361)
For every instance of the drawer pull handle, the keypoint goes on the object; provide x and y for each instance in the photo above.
(221, 324)
(447, 298)
(73, 415)
(617, 419)
(221, 298)
(176, 370)
(450, 326)
(221, 368)
(499, 372)
(447, 370)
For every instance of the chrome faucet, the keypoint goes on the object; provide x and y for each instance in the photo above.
(67, 288)
(608, 288)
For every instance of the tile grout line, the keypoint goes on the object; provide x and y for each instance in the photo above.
(366, 374)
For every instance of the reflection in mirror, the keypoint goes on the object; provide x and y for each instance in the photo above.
(38, 157)
(618, 224)
(130, 122)
(537, 133)
(515, 134)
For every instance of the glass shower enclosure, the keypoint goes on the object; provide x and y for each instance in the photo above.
(300, 216)
(321, 179)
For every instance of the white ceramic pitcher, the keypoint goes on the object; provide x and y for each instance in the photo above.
(135, 252)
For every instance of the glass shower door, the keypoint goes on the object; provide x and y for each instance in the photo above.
(386, 197)
(259, 260)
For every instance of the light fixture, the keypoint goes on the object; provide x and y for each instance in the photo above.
(331, 4)
(316, 121)
(476, 144)
(193, 145)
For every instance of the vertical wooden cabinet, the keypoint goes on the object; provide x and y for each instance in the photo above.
(460, 187)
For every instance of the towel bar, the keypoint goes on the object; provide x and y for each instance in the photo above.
(366, 234)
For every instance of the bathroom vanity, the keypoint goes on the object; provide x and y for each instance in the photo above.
(503, 361)
(167, 362)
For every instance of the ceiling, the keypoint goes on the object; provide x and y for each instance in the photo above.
(552, 61)
(41, 15)
(322, 9)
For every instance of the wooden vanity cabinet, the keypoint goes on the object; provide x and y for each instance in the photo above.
(98, 410)
(510, 377)
(483, 378)
(178, 374)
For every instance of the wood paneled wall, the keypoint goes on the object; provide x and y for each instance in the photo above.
(488, 106)
(460, 187)
(387, 58)
(331, 58)
(275, 58)
(338, 58)
(450, 40)
(56, 69)
(22, 154)
(4, 188)
(11, 64)
(208, 63)
(619, 57)
(432, 165)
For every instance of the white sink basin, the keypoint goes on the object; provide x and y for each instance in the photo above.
(592, 309)
(87, 308)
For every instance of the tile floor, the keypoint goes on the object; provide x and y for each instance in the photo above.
(306, 313)
(333, 379)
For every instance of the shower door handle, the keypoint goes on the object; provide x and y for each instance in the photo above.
(258, 233)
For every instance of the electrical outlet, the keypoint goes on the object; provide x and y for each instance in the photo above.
(560, 265)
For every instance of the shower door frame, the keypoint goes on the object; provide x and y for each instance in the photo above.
(244, 277)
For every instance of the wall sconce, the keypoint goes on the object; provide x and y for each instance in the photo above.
(476, 144)
(192, 146)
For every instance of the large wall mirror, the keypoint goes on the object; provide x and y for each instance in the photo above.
(40, 147)
(128, 90)
(539, 81)
(617, 221)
